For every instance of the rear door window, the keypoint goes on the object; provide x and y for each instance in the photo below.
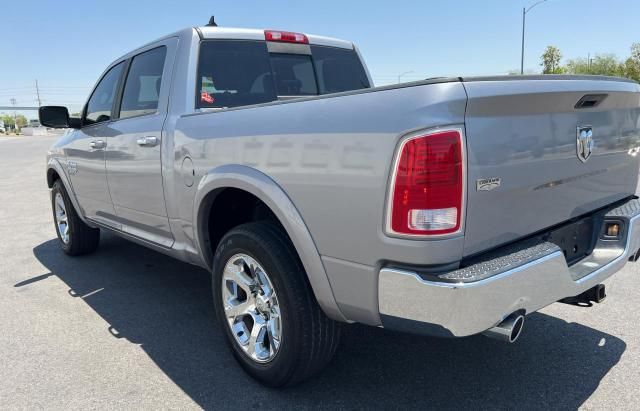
(142, 88)
(234, 73)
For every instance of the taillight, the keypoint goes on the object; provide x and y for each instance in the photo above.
(427, 190)
(285, 37)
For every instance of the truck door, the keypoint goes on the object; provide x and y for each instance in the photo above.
(86, 151)
(133, 156)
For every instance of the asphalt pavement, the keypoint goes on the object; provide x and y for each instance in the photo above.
(130, 328)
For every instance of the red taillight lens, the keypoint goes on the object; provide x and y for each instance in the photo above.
(285, 37)
(428, 183)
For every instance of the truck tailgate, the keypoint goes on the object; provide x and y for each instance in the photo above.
(525, 173)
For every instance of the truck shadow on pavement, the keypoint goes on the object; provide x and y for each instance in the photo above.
(165, 306)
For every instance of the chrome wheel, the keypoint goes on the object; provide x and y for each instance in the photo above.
(62, 221)
(251, 308)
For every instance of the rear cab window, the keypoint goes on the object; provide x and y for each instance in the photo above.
(234, 73)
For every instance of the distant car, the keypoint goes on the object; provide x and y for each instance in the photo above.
(34, 123)
(2, 129)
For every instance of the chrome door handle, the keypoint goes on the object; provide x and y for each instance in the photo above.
(98, 144)
(147, 141)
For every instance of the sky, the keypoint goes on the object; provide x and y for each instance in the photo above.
(66, 45)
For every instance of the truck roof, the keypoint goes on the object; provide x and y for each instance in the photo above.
(231, 33)
(209, 32)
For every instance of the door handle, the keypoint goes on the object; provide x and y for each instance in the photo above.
(97, 145)
(147, 141)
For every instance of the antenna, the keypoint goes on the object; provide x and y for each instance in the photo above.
(212, 22)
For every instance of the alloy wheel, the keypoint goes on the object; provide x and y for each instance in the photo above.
(251, 308)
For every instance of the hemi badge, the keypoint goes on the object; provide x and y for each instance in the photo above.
(488, 184)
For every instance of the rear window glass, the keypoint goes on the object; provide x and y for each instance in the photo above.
(338, 70)
(234, 73)
(293, 75)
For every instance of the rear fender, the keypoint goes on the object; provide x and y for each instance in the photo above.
(260, 185)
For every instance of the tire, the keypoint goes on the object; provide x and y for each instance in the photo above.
(306, 339)
(76, 238)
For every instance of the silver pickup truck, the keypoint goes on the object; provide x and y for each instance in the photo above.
(446, 207)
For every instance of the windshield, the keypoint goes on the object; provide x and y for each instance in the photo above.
(233, 73)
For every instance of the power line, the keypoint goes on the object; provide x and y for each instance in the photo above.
(44, 88)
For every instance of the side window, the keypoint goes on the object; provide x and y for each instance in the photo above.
(142, 88)
(234, 73)
(101, 101)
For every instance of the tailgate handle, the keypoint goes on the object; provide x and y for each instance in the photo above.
(590, 101)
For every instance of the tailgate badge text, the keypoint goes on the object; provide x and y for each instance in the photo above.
(488, 184)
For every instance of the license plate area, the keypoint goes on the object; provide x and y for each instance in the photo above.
(576, 239)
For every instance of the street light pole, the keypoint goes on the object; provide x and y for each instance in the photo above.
(524, 20)
(403, 74)
(15, 116)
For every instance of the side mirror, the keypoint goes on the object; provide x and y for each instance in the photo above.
(57, 117)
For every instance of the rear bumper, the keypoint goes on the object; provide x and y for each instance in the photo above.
(526, 278)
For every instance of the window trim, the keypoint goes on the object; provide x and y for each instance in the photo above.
(121, 87)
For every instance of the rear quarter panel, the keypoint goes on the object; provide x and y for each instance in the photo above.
(331, 156)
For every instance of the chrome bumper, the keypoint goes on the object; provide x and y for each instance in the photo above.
(527, 277)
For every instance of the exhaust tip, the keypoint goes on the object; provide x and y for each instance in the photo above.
(508, 330)
(517, 329)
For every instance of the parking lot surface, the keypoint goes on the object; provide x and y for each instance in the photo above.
(127, 327)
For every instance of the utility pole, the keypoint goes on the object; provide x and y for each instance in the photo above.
(38, 94)
(524, 20)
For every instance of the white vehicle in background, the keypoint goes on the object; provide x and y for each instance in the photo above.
(2, 129)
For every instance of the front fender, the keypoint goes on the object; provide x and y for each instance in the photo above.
(53, 164)
(260, 185)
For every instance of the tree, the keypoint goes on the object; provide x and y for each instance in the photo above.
(601, 64)
(635, 52)
(8, 120)
(21, 120)
(551, 61)
(631, 67)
